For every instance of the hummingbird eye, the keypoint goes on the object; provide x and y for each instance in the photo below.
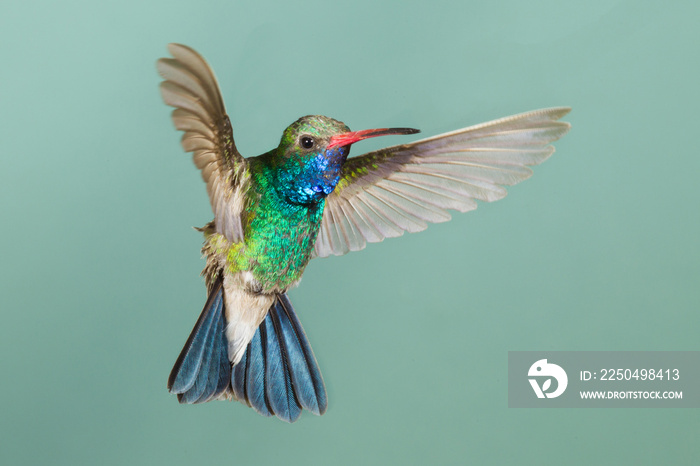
(307, 142)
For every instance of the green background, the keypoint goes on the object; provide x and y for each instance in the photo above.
(598, 251)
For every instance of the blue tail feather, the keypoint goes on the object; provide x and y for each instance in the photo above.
(197, 374)
(279, 390)
(200, 381)
(239, 376)
(306, 376)
(208, 380)
(278, 373)
(255, 374)
(224, 379)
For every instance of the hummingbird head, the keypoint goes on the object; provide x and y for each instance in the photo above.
(311, 155)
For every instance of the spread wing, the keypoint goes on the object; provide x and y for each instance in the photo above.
(402, 188)
(191, 87)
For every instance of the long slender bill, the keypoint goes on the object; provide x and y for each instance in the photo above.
(352, 137)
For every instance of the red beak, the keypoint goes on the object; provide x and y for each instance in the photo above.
(346, 139)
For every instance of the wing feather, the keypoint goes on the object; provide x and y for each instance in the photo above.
(401, 188)
(191, 87)
(382, 225)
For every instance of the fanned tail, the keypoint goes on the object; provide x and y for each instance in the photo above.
(202, 371)
(278, 374)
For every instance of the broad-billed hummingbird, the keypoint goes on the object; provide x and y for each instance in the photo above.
(304, 199)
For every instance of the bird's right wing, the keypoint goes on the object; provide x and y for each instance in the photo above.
(191, 87)
(384, 193)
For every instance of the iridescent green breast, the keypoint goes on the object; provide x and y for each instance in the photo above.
(279, 235)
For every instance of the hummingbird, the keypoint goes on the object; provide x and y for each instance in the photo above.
(303, 199)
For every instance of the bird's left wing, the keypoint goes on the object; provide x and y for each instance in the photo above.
(383, 193)
(191, 87)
